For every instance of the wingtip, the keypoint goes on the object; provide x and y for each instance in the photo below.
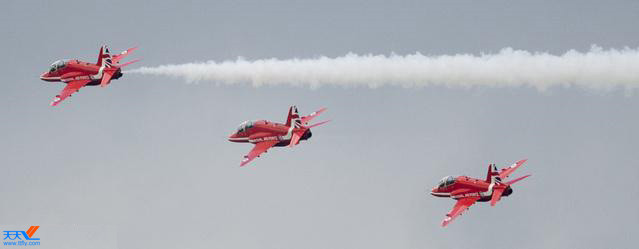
(129, 50)
(55, 101)
(446, 221)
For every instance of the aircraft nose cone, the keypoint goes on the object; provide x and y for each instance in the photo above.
(234, 137)
(433, 192)
(46, 76)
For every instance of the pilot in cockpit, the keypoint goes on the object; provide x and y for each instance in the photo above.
(244, 126)
(57, 65)
(446, 181)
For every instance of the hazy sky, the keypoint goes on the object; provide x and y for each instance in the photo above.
(145, 163)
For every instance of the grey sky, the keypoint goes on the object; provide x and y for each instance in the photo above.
(145, 163)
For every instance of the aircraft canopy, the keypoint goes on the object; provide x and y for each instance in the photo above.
(446, 181)
(244, 126)
(57, 65)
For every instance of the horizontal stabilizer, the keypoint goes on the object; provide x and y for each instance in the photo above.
(518, 179)
(318, 124)
(311, 116)
(128, 63)
(118, 57)
(505, 172)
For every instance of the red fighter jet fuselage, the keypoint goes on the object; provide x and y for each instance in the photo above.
(77, 74)
(265, 134)
(467, 190)
(262, 130)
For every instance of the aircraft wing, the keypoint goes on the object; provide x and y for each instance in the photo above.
(116, 58)
(107, 74)
(71, 88)
(295, 138)
(311, 116)
(505, 172)
(259, 148)
(462, 205)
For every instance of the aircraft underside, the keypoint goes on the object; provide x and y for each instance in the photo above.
(308, 134)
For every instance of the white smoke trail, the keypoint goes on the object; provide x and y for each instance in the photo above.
(595, 69)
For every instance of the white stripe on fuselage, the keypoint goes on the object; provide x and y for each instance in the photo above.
(441, 194)
(288, 136)
(50, 78)
(488, 193)
(239, 139)
(97, 76)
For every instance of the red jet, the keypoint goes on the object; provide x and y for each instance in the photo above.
(265, 134)
(77, 74)
(468, 190)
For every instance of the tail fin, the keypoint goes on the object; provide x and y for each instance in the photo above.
(493, 174)
(104, 58)
(293, 118)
